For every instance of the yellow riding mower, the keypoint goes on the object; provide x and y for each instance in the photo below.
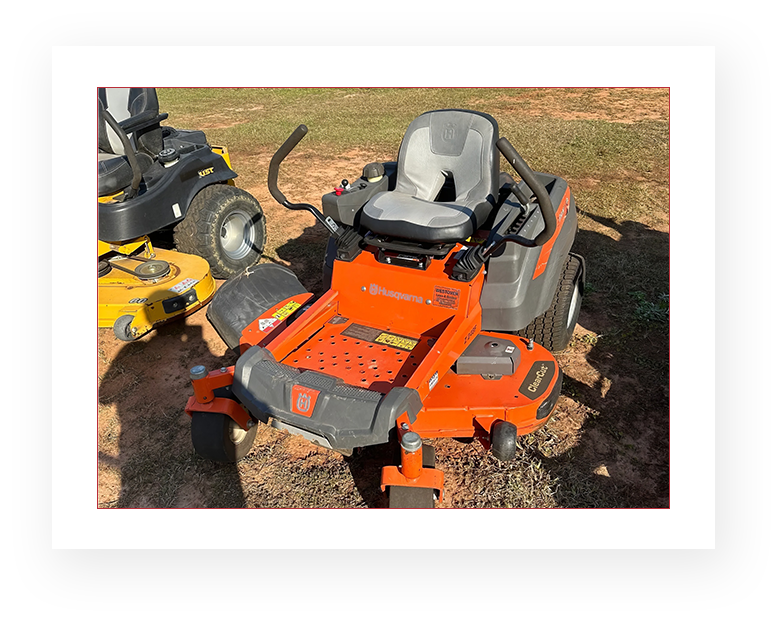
(155, 179)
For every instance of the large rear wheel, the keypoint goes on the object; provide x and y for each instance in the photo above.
(225, 226)
(553, 329)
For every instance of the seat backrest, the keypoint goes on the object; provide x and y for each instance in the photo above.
(123, 103)
(454, 145)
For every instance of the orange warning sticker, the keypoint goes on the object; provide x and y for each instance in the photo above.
(446, 297)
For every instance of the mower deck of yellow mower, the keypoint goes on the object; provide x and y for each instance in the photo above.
(140, 287)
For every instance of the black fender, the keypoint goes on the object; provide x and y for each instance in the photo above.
(166, 197)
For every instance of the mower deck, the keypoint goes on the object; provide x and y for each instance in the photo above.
(363, 356)
(188, 286)
(342, 380)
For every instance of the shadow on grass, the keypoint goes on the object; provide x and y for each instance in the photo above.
(621, 458)
(148, 384)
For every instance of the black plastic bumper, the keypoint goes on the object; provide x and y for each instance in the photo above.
(320, 407)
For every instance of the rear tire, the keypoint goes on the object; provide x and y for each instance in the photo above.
(225, 226)
(217, 437)
(553, 329)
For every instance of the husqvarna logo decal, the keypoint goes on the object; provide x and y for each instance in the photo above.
(303, 400)
(375, 289)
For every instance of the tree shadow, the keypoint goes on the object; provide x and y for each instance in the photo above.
(618, 412)
(305, 256)
(148, 384)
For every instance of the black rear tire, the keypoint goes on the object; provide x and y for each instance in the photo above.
(225, 226)
(553, 329)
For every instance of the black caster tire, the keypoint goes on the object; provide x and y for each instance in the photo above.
(503, 440)
(413, 497)
(219, 438)
(401, 497)
(122, 328)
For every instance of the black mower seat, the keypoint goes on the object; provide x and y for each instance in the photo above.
(447, 179)
(114, 173)
(114, 169)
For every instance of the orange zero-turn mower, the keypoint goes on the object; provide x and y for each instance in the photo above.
(449, 282)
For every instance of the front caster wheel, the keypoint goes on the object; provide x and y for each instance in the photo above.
(122, 328)
(415, 497)
(219, 438)
(401, 497)
(504, 440)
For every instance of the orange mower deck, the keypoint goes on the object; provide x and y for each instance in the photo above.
(432, 320)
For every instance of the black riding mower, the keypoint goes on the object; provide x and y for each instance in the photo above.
(161, 181)
(449, 283)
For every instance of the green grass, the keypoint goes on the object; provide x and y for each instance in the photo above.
(375, 120)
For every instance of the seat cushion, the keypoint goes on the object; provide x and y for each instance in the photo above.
(114, 173)
(447, 179)
(403, 216)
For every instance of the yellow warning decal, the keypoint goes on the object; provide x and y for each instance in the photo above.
(399, 342)
(370, 334)
(286, 310)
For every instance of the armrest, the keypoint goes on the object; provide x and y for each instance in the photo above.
(142, 121)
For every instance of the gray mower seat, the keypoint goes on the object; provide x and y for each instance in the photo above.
(447, 180)
(114, 169)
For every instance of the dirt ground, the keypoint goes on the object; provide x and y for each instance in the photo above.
(607, 444)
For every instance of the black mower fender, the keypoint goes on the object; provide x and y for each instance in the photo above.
(319, 407)
(247, 295)
(167, 195)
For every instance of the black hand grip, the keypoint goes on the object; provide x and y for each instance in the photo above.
(283, 151)
(272, 181)
(528, 176)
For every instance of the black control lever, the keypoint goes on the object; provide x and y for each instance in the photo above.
(471, 262)
(272, 182)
